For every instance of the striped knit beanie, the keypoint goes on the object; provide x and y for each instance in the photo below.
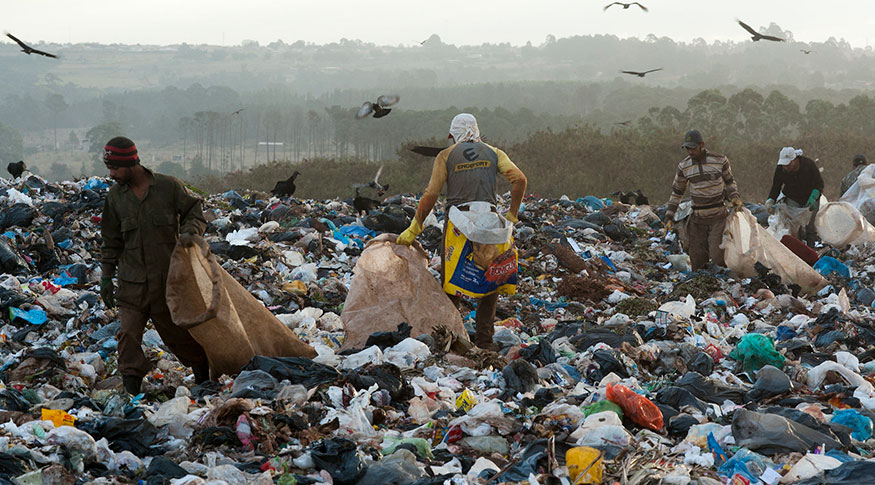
(120, 152)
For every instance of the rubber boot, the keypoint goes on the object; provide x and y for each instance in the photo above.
(132, 384)
(484, 319)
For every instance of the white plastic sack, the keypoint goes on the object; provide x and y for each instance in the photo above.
(481, 223)
(841, 223)
(809, 466)
(862, 190)
(745, 243)
(787, 220)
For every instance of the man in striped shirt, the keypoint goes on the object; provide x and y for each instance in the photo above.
(711, 183)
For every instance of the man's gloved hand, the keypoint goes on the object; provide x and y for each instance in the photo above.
(409, 235)
(736, 204)
(815, 195)
(510, 216)
(107, 291)
(668, 224)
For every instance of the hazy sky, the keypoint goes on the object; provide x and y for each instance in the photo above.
(460, 22)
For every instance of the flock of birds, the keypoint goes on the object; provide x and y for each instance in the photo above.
(381, 108)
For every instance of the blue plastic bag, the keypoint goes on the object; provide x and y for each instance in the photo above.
(592, 202)
(828, 265)
(34, 316)
(862, 425)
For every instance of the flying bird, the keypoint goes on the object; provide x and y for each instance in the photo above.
(16, 169)
(285, 188)
(641, 74)
(755, 36)
(379, 109)
(623, 123)
(28, 49)
(238, 111)
(426, 151)
(625, 5)
(374, 184)
(806, 52)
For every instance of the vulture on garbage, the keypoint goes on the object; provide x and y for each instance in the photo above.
(379, 108)
(16, 169)
(285, 188)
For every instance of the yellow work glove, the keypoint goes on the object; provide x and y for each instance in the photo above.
(510, 216)
(736, 204)
(409, 235)
(668, 225)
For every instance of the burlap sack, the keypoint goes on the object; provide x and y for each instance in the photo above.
(391, 284)
(220, 314)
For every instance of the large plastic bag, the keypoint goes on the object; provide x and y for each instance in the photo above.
(841, 223)
(755, 351)
(863, 189)
(788, 220)
(745, 243)
(391, 284)
(230, 324)
(637, 407)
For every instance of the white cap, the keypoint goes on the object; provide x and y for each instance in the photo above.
(787, 156)
(464, 128)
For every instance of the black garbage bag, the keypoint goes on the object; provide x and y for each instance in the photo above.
(389, 219)
(771, 434)
(44, 258)
(618, 231)
(340, 458)
(54, 210)
(678, 397)
(389, 339)
(254, 384)
(10, 465)
(680, 425)
(134, 435)
(297, 370)
(520, 375)
(608, 363)
(215, 436)
(771, 381)
(78, 271)
(833, 430)
(542, 353)
(578, 224)
(10, 261)
(583, 335)
(701, 363)
(10, 298)
(12, 400)
(707, 390)
(442, 455)
(20, 215)
(387, 376)
(850, 473)
(533, 460)
(597, 218)
(161, 470)
(825, 338)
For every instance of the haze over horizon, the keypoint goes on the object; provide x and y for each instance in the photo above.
(399, 22)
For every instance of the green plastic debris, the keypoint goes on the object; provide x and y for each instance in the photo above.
(287, 479)
(422, 447)
(602, 406)
(756, 350)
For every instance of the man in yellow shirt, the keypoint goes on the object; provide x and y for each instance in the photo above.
(470, 169)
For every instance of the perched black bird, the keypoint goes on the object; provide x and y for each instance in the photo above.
(16, 169)
(637, 197)
(28, 49)
(640, 73)
(363, 204)
(426, 151)
(625, 5)
(755, 36)
(285, 188)
(379, 108)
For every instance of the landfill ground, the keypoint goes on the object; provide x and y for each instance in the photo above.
(614, 365)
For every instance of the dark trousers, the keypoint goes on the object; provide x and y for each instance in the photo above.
(704, 237)
(131, 359)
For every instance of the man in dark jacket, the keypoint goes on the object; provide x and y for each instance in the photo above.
(799, 179)
(143, 215)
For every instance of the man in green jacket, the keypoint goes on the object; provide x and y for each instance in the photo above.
(143, 216)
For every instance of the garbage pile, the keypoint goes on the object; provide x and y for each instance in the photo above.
(616, 364)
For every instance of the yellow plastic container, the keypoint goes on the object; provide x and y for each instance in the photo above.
(579, 459)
